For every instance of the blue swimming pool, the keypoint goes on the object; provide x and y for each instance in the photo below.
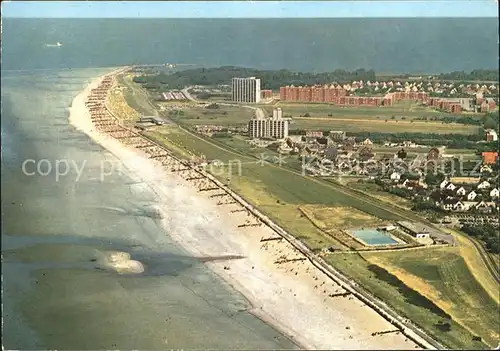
(374, 237)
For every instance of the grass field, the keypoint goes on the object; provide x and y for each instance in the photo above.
(476, 265)
(406, 109)
(277, 191)
(428, 286)
(334, 220)
(339, 217)
(135, 96)
(380, 125)
(223, 116)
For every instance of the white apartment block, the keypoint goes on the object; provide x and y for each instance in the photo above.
(274, 127)
(245, 90)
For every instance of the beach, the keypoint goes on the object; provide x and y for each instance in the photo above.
(293, 296)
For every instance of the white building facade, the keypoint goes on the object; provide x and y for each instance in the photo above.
(274, 127)
(246, 90)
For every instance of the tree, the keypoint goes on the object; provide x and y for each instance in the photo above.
(402, 154)
(489, 123)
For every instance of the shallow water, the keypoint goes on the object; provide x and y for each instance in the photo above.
(56, 229)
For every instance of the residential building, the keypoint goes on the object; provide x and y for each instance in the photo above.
(266, 94)
(443, 184)
(246, 90)
(490, 157)
(395, 176)
(484, 185)
(258, 128)
(494, 193)
(450, 186)
(337, 135)
(491, 135)
(472, 195)
(274, 127)
(461, 191)
(433, 154)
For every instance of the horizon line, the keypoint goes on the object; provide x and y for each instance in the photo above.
(250, 9)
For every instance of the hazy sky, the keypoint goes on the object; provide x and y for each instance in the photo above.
(248, 9)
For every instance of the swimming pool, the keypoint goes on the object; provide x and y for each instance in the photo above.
(374, 237)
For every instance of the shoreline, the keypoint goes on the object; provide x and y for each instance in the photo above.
(285, 295)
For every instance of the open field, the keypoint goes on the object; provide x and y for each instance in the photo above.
(442, 275)
(476, 265)
(223, 116)
(406, 109)
(428, 286)
(380, 125)
(339, 217)
(333, 220)
(375, 191)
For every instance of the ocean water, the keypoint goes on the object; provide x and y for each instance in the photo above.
(386, 45)
(53, 230)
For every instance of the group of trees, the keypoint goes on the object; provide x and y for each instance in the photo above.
(456, 141)
(483, 75)
(486, 233)
(269, 79)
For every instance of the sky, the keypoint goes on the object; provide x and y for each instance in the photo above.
(248, 9)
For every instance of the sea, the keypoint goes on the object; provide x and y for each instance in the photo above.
(56, 226)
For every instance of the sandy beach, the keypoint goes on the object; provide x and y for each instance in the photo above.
(295, 297)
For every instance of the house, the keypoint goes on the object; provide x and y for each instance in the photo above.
(491, 135)
(469, 204)
(484, 185)
(490, 157)
(450, 186)
(482, 206)
(461, 191)
(494, 193)
(443, 184)
(433, 154)
(411, 184)
(367, 142)
(395, 176)
(485, 168)
(472, 195)
(459, 206)
(450, 203)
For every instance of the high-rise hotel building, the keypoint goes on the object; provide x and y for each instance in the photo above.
(246, 90)
(274, 127)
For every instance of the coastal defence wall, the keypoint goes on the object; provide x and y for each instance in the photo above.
(410, 330)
